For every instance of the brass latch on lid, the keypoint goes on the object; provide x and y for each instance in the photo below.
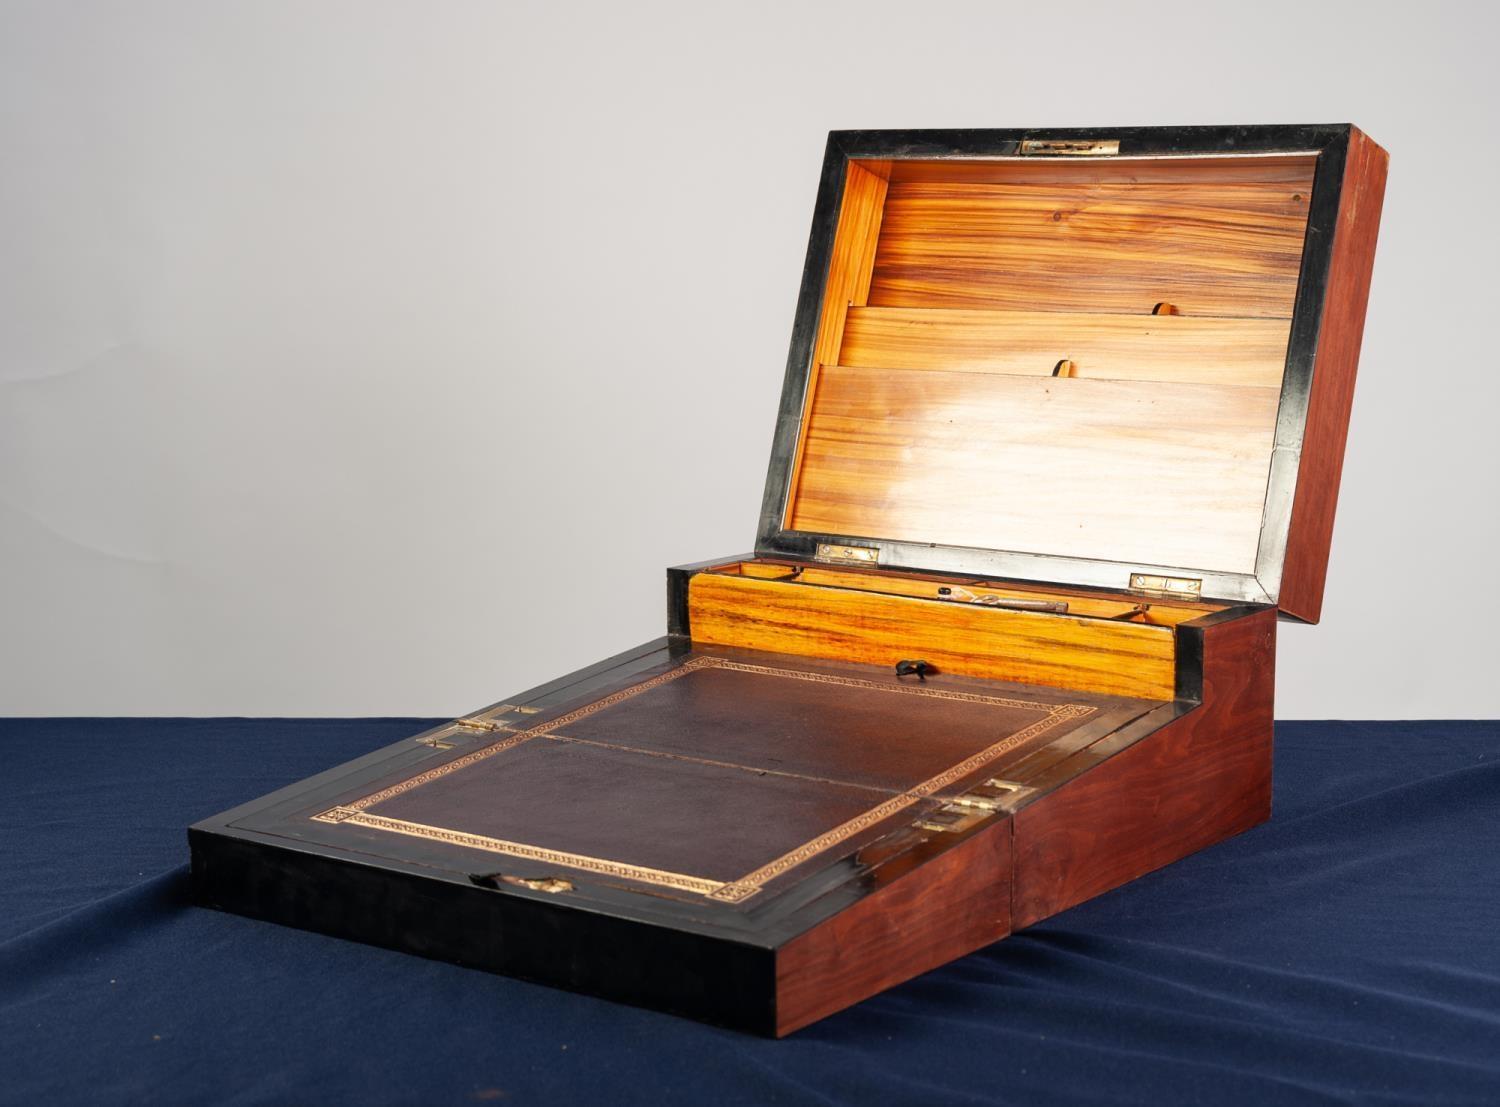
(837, 554)
(1176, 588)
(1071, 147)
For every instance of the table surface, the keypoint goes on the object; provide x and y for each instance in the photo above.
(1348, 949)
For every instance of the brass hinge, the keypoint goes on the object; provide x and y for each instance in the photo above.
(1072, 147)
(974, 806)
(1177, 588)
(489, 720)
(847, 555)
(553, 884)
(485, 723)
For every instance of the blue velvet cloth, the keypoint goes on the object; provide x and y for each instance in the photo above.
(1347, 950)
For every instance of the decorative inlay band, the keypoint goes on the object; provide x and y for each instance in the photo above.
(356, 813)
(697, 884)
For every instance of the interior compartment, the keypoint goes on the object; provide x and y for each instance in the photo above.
(1096, 642)
(946, 588)
(1057, 356)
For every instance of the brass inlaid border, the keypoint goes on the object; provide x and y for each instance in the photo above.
(701, 885)
(355, 813)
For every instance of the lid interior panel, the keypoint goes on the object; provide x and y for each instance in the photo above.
(1063, 357)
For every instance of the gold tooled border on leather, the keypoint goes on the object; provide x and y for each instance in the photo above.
(355, 813)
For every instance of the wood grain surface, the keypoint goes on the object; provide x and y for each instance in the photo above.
(1062, 651)
(1094, 603)
(1176, 348)
(940, 911)
(988, 371)
(1192, 783)
(931, 588)
(848, 281)
(1127, 470)
(1208, 241)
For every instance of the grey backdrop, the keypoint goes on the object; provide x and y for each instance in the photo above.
(367, 358)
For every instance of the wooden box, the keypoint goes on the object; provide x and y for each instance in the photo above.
(1060, 436)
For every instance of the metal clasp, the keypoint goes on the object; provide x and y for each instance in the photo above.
(1072, 147)
(836, 554)
(1177, 588)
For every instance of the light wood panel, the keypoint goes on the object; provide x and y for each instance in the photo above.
(849, 270)
(1127, 659)
(1127, 470)
(1118, 347)
(1080, 238)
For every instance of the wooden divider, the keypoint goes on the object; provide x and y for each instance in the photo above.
(1093, 603)
(1178, 348)
(849, 270)
(1161, 612)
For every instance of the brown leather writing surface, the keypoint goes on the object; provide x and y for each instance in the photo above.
(687, 817)
(874, 733)
(716, 776)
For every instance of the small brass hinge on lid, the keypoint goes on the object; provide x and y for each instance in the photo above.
(1071, 147)
(835, 554)
(1176, 588)
(478, 724)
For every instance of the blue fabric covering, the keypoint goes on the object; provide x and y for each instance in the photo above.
(1349, 949)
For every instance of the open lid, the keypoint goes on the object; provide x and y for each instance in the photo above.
(1114, 358)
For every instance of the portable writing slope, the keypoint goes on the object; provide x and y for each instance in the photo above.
(1060, 437)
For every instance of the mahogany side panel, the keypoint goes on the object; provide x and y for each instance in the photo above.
(935, 913)
(1194, 782)
(1337, 358)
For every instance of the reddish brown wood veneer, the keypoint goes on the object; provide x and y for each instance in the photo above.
(1192, 783)
(926, 918)
(1334, 366)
